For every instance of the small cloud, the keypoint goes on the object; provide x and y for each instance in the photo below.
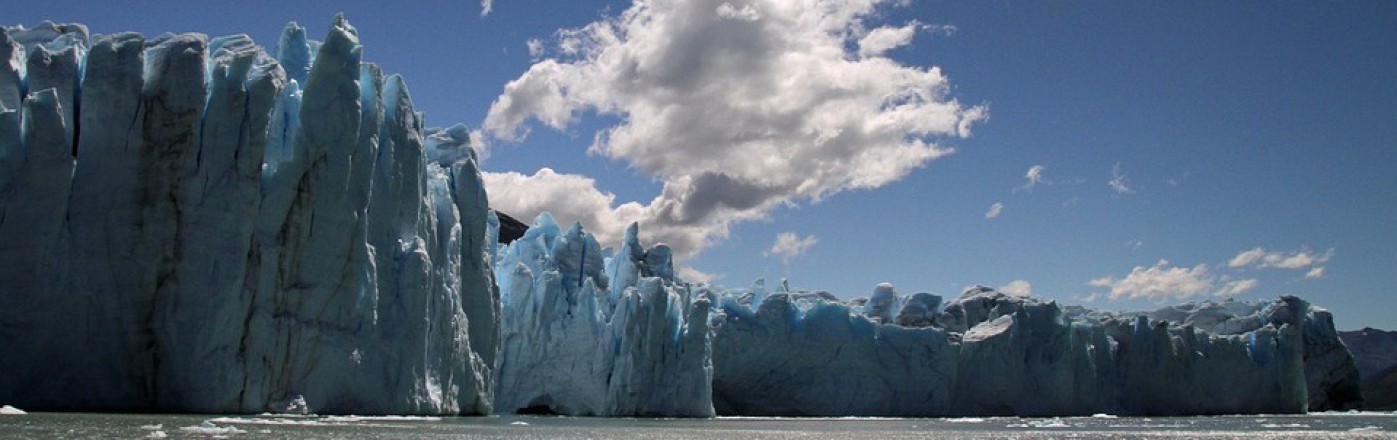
(943, 29)
(688, 273)
(535, 48)
(1176, 181)
(1165, 282)
(994, 211)
(1134, 244)
(1119, 182)
(1034, 176)
(1315, 273)
(486, 6)
(1019, 288)
(1262, 259)
(789, 245)
(1230, 288)
(1246, 258)
(1295, 260)
(886, 38)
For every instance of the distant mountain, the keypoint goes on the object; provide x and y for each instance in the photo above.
(1380, 391)
(1373, 350)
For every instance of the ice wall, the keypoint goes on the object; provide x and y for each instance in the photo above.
(192, 224)
(1331, 373)
(586, 333)
(989, 353)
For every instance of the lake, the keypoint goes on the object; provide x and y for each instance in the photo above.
(74, 426)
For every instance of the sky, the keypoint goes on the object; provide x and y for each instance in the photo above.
(1122, 155)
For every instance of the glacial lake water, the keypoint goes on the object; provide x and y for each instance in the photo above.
(105, 426)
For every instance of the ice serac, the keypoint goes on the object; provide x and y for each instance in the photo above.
(236, 238)
(989, 353)
(451, 150)
(589, 334)
(36, 172)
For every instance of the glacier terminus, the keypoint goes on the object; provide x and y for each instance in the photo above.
(196, 224)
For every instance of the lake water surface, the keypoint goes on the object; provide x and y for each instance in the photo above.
(74, 426)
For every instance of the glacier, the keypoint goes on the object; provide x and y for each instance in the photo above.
(194, 224)
(988, 353)
(588, 333)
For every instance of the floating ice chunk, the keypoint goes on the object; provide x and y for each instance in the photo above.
(11, 411)
(209, 428)
(1284, 425)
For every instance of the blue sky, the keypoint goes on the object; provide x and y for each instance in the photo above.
(1226, 127)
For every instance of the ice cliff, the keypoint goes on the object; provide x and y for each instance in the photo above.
(989, 353)
(193, 224)
(590, 333)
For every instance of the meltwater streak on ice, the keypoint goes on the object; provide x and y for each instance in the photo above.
(184, 226)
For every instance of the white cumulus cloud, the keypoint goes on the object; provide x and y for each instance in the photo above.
(789, 245)
(995, 210)
(569, 197)
(486, 6)
(1165, 282)
(1017, 288)
(737, 107)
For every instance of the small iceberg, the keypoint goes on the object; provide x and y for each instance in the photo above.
(11, 411)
